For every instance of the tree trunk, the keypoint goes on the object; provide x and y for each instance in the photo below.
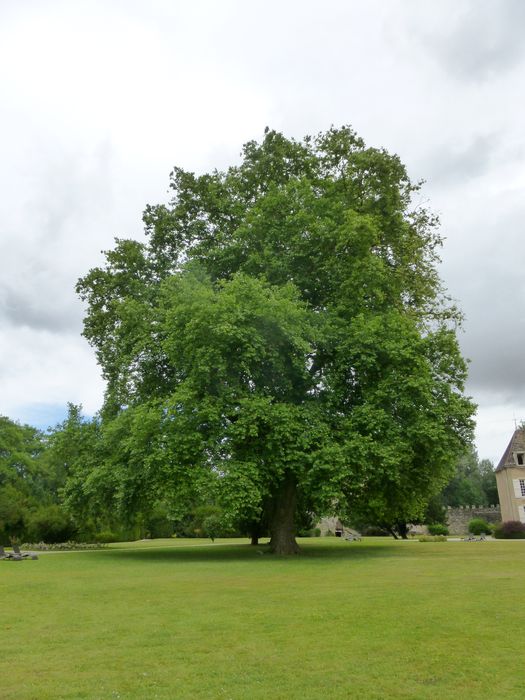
(254, 539)
(282, 526)
(402, 528)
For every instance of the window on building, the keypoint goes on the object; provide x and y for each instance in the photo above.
(522, 487)
(519, 458)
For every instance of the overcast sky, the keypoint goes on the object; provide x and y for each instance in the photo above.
(100, 99)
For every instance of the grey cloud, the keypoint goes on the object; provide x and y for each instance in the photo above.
(487, 40)
(43, 254)
(448, 166)
(492, 291)
(496, 366)
(44, 309)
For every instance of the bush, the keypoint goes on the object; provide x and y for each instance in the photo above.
(511, 530)
(309, 532)
(432, 538)
(106, 536)
(375, 531)
(478, 526)
(50, 524)
(437, 529)
(211, 526)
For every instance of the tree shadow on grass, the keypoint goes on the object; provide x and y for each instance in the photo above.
(245, 552)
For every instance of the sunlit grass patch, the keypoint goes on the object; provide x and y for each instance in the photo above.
(187, 619)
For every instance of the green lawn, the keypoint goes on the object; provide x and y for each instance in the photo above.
(374, 619)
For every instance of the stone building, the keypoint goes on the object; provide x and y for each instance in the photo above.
(510, 478)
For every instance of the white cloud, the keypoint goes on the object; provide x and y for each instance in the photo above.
(39, 367)
(101, 98)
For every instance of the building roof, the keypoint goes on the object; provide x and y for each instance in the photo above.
(516, 444)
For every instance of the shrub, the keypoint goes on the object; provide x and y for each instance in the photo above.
(159, 527)
(477, 526)
(106, 536)
(50, 524)
(375, 531)
(211, 526)
(511, 530)
(317, 532)
(437, 529)
(432, 538)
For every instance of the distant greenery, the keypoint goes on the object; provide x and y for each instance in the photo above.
(35, 467)
(473, 484)
(29, 486)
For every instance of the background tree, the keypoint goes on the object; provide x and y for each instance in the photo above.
(281, 337)
(25, 480)
(473, 483)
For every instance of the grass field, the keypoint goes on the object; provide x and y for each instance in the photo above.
(376, 619)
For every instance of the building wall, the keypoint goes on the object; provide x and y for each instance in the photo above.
(330, 524)
(512, 506)
(459, 518)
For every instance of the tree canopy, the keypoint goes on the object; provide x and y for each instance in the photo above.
(29, 486)
(474, 483)
(280, 340)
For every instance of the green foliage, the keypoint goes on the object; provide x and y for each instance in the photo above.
(374, 531)
(279, 344)
(474, 483)
(14, 509)
(25, 480)
(50, 524)
(106, 536)
(311, 532)
(488, 481)
(158, 523)
(207, 521)
(510, 530)
(437, 529)
(435, 512)
(432, 538)
(478, 526)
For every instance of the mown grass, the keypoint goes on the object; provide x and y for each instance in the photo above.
(369, 620)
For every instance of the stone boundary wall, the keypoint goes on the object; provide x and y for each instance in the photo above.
(459, 518)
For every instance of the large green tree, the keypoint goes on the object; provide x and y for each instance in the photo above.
(281, 337)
